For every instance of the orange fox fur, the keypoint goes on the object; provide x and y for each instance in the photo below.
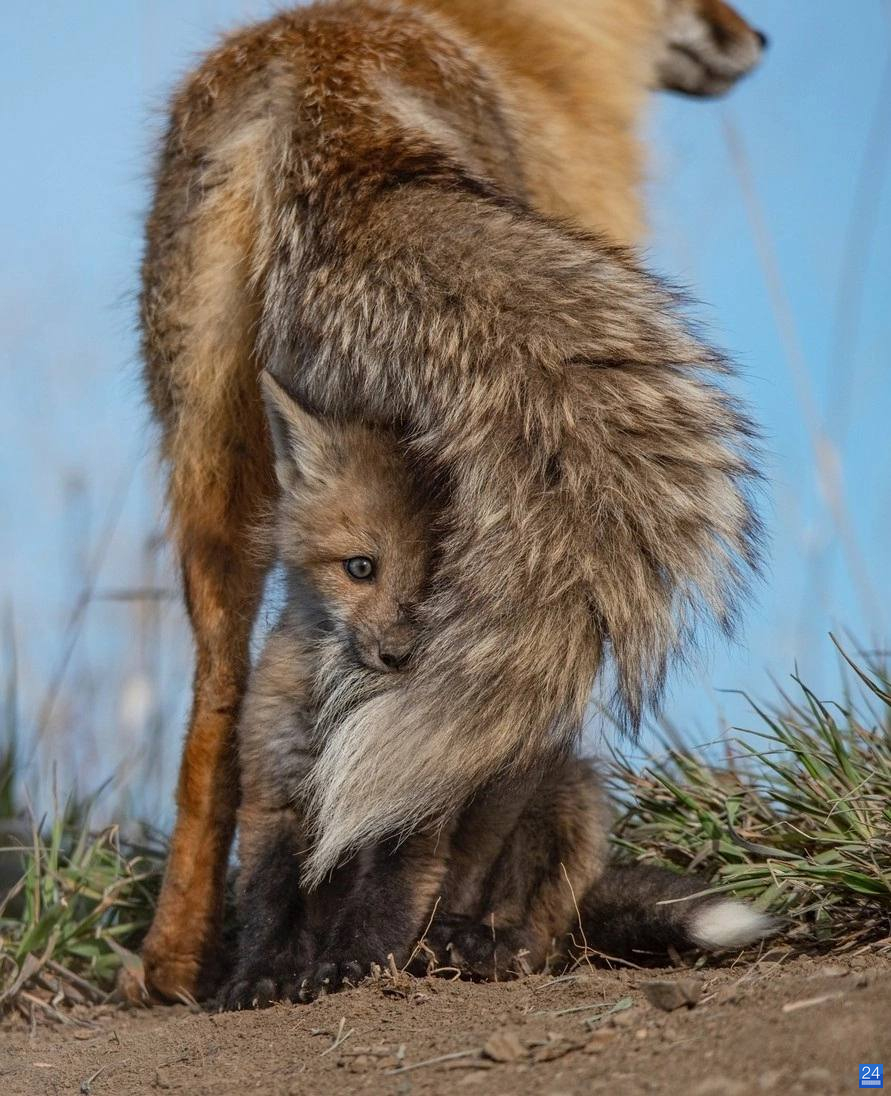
(387, 203)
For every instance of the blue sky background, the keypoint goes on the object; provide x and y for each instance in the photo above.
(773, 207)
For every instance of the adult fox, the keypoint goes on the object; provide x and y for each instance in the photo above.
(415, 214)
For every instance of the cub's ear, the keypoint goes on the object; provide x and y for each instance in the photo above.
(306, 448)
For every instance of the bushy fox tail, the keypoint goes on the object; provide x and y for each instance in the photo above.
(638, 911)
(599, 481)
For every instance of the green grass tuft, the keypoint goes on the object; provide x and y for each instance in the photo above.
(82, 902)
(797, 816)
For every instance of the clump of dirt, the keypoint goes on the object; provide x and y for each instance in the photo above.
(784, 1025)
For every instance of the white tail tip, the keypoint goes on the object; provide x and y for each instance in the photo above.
(729, 924)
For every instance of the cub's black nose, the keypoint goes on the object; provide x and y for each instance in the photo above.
(763, 39)
(393, 660)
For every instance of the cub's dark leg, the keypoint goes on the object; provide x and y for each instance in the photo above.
(525, 905)
(272, 945)
(383, 913)
(489, 951)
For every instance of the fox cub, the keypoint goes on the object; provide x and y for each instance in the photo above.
(494, 889)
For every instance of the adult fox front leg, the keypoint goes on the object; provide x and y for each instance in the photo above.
(362, 186)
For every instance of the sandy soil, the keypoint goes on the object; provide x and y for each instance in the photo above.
(786, 1026)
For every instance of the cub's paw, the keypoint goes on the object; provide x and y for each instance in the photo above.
(329, 976)
(257, 989)
(477, 950)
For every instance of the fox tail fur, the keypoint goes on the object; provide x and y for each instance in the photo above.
(599, 481)
(637, 911)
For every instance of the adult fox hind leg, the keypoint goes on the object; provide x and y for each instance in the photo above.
(198, 317)
(222, 593)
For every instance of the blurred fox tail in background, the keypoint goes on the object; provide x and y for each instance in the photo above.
(374, 202)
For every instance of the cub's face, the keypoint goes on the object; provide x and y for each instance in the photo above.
(354, 530)
(365, 553)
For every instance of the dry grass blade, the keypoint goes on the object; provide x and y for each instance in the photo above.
(454, 1056)
(340, 1037)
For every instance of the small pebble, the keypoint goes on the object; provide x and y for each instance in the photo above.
(719, 1086)
(555, 1049)
(831, 970)
(504, 1046)
(816, 1076)
(669, 996)
(599, 1041)
(622, 1019)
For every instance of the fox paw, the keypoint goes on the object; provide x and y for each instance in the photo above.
(477, 950)
(326, 977)
(179, 965)
(258, 989)
(171, 977)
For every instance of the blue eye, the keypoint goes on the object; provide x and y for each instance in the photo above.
(360, 568)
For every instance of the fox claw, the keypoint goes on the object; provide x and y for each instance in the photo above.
(329, 977)
(476, 949)
(256, 991)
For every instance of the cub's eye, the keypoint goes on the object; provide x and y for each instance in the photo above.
(360, 568)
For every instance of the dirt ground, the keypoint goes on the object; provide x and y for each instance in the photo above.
(780, 1025)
